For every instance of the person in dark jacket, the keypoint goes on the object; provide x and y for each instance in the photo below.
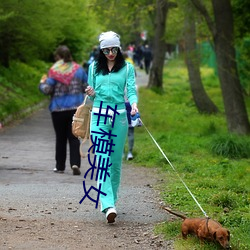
(147, 54)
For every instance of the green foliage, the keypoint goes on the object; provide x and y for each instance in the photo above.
(175, 25)
(219, 183)
(128, 18)
(29, 33)
(176, 18)
(241, 17)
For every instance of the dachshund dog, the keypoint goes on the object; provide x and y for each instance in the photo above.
(204, 229)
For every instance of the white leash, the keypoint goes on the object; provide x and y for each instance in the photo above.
(174, 170)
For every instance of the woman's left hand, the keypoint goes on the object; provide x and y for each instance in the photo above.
(134, 109)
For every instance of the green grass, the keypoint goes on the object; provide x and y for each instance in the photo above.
(214, 164)
(19, 88)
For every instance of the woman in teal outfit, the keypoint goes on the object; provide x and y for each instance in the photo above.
(108, 77)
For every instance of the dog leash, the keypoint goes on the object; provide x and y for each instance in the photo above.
(174, 169)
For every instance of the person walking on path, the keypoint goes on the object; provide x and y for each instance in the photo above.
(147, 54)
(65, 84)
(108, 78)
(131, 129)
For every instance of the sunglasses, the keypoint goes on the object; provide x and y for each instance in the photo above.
(106, 51)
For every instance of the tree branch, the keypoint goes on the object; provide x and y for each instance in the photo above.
(202, 9)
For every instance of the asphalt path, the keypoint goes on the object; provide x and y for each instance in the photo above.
(27, 177)
(31, 190)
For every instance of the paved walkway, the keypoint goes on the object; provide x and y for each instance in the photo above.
(141, 78)
(31, 191)
(26, 176)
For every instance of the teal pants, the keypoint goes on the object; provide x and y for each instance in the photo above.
(111, 185)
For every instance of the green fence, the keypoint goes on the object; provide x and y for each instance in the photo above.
(208, 58)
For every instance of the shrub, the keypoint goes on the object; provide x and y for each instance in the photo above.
(231, 146)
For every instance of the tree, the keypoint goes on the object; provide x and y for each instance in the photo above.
(201, 99)
(126, 17)
(242, 33)
(241, 17)
(223, 38)
(159, 46)
(28, 33)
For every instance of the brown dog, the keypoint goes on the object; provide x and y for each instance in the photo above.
(204, 229)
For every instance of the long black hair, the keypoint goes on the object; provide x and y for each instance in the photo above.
(102, 66)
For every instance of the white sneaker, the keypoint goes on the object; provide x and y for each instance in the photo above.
(76, 170)
(58, 171)
(111, 214)
(129, 156)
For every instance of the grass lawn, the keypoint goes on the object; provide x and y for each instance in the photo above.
(214, 164)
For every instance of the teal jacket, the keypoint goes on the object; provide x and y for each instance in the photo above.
(110, 88)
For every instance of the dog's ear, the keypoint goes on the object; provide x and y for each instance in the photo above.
(214, 235)
(228, 237)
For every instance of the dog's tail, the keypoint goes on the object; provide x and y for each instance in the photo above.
(175, 213)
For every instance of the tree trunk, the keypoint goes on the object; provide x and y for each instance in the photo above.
(223, 38)
(235, 109)
(201, 99)
(159, 47)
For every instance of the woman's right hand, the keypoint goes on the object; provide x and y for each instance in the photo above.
(90, 91)
(134, 109)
